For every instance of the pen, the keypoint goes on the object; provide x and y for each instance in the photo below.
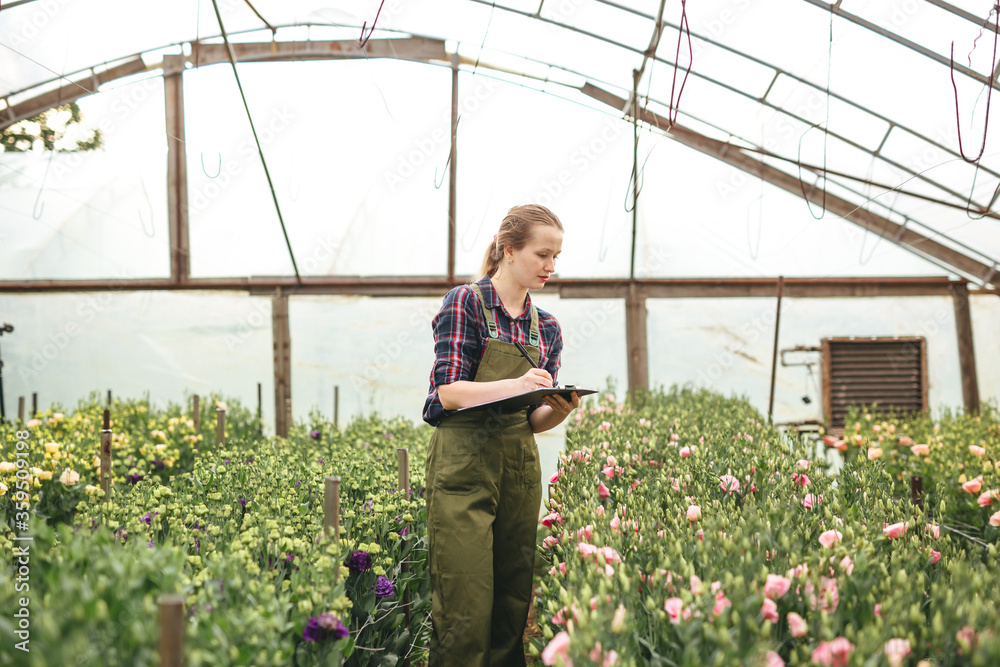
(526, 355)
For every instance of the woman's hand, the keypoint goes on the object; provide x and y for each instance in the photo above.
(561, 406)
(535, 378)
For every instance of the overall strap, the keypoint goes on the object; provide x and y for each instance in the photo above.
(491, 322)
(533, 334)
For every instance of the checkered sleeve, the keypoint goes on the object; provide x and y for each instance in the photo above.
(456, 347)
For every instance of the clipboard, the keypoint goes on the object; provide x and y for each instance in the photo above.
(515, 403)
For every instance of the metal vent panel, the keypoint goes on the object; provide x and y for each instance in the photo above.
(891, 372)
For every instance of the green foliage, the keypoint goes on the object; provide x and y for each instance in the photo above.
(56, 129)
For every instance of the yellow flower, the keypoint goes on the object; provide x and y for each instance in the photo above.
(69, 477)
(3, 488)
(52, 447)
(91, 489)
(44, 474)
(7, 466)
(160, 447)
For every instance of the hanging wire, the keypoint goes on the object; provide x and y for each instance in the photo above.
(37, 211)
(826, 132)
(217, 171)
(152, 230)
(364, 38)
(674, 108)
(482, 45)
(260, 149)
(989, 80)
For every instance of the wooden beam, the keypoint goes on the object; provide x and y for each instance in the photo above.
(282, 362)
(69, 93)
(453, 169)
(635, 339)
(966, 349)
(177, 200)
(567, 288)
(419, 49)
(731, 154)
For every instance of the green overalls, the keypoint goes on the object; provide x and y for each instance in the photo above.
(483, 496)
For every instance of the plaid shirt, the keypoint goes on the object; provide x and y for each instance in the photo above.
(460, 336)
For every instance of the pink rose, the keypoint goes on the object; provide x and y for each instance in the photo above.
(896, 650)
(921, 450)
(609, 471)
(701, 533)
(995, 519)
(874, 453)
(847, 565)
(977, 450)
(772, 659)
(615, 523)
(797, 625)
(802, 463)
(829, 440)
(935, 555)
(586, 549)
(685, 452)
(697, 588)
(673, 607)
(986, 498)
(973, 485)
(800, 480)
(558, 647)
(878, 610)
(603, 492)
(829, 595)
(776, 586)
(905, 441)
(551, 518)
(934, 530)
(721, 602)
(549, 542)
(554, 478)
(966, 638)
(840, 446)
(834, 653)
(769, 610)
(830, 537)
(729, 483)
(810, 500)
(693, 513)
(895, 531)
(600, 510)
(604, 426)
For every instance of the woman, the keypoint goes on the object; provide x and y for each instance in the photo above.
(483, 480)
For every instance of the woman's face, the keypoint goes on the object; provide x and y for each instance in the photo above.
(536, 261)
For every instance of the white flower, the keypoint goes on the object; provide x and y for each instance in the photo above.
(7, 466)
(52, 447)
(69, 477)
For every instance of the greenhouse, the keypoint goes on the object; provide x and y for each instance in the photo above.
(242, 249)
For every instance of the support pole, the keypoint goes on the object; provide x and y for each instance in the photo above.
(331, 506)
(336, 407)
(171, 631)
(403, 458)
(966, 349)
(106, 455)
(177, 199)
(34, 404)
(260, 412)
(774, 352)
(282, 363)
(453, 169)
(220, 426)
(20, 409)
(196, 413)
(109, 399)
(635, 336)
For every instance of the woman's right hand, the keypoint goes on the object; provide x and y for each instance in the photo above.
(535, 378)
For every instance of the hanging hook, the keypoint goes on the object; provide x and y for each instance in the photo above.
(364, 39)
(989, 82)
(674, 109)
(36, 213)
(218, 169)
(437, 185)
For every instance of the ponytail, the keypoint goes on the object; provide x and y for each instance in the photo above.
(515, 231)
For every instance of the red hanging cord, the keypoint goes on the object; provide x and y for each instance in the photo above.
(989, 82)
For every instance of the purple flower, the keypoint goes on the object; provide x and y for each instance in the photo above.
(291, 557)
(243, 502)
(150, 544)
(132, 479)
(198, 547)
(225, 461)
(384, 588)
(315, 434)
(322, 627)
(389, 436)
(297, 482)
(360, 561)
(319, 460)
(405, 531)
(148, 519)
(158, 465)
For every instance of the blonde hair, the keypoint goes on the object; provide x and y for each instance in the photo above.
(515, 231)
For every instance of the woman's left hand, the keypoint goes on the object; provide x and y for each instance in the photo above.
(561, 406)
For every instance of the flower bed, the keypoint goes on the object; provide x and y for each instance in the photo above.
(237, 530)
(685, 531)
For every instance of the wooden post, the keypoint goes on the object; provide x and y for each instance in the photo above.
(220, 426)
(635, 337)
(34, 404)
(171, 631)
(966, 350)
(336, 406)
(197, 414)
(331, 506)
(20, 409)
(177, 194)
(106, 455)
(774, 352)
(288, 413)
(260, 413)
(917, 491)
(453, 169)
(282, 362)
(109, 398)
